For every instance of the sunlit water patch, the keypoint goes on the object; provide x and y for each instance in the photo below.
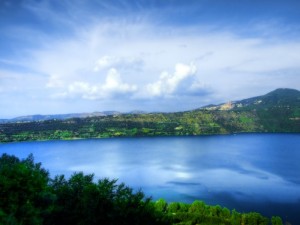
(259, 172)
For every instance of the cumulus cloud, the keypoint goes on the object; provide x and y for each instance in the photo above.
(111, 88)
(114, 84)
(182, 81)
(106, 59)
(228, 63)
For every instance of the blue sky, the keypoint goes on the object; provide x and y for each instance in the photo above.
(170, 55)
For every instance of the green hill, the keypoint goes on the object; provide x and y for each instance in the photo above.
(282, 97)
(277, 111)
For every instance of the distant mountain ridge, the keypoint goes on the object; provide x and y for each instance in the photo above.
(282, 97)
(31, 118)
(277, 111)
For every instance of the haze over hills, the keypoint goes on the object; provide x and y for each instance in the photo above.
(31, 118)
(277, 111)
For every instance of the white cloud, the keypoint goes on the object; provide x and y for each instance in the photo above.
(113, 87)
(183, 81)
(54, 82)
(230, 67)
(113, 61)
(104, 62)
(87, 66)
(141, 52)
(114, 84)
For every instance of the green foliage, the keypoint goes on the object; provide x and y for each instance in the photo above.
(198, 207)
(200, 213)
(278, 111)
(23, 191)
(198, 122)
(276, 220)
(29, 197)
(235, 218)
(173, 207)
(161, 205)
(81, 201)
(254, 218)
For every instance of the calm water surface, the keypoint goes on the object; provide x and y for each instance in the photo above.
(248, 172)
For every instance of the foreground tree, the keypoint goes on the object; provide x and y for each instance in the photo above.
(24, 195)
(29, 197)
(82, 201)
(276, 220)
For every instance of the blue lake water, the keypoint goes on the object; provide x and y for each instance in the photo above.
(248, 172)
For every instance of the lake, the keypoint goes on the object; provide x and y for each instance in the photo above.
(248, 172)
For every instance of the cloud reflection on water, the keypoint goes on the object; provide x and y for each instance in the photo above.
(247, 168)
(201, 175)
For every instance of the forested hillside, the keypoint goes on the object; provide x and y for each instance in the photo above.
(277, 111)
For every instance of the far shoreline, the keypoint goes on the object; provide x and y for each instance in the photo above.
(149, 136)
